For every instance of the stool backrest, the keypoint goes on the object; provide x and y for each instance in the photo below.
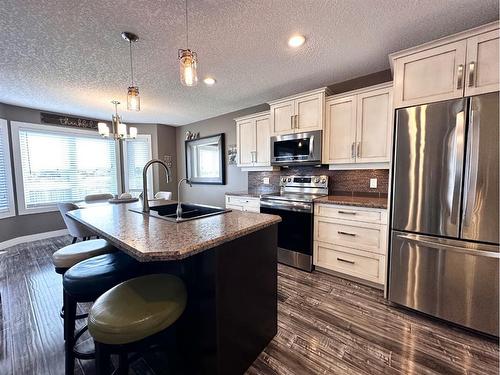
(98, 197)
(163, 195)
(75, 229)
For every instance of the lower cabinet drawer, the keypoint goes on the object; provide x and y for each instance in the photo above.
(362, 236)
(234, 207)
(351, 262)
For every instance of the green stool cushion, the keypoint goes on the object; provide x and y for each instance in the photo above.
(70, 255)
(137, 308)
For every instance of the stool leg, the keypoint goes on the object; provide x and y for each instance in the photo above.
(69, 330)
(122, 363)
(102, 359)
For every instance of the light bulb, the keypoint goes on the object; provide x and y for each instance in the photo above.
(187, 65)
(133, 132)
(296, 41)
(133, 99)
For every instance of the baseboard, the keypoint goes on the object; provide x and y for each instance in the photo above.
(32, 237)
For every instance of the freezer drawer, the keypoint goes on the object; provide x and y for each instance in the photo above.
(450, 279)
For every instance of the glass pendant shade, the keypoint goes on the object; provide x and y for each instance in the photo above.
(103, 129)
(187, 65)
(133, 132)
(122, 130)
(133, 99)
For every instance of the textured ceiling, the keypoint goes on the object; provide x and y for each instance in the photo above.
(67, 55)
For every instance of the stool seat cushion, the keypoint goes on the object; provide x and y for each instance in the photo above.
(70, 255)
(137, 308)
(90, 278)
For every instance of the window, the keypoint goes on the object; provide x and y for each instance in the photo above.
(6, 192)
(59, 165)
(137, 152)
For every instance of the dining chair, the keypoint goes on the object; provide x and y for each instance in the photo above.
(98, 197)
(164, 195)
(75, 229)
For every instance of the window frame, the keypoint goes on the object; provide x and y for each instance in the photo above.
(125, 165)
(16, 127)
(11, 211)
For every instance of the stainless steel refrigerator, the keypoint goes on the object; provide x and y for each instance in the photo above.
(444, 254)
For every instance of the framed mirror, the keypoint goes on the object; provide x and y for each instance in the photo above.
(205, 161)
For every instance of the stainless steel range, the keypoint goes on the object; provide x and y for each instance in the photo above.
(294, 203)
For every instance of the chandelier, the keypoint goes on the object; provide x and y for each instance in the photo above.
(118, 129)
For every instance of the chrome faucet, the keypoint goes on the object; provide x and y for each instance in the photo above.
(145, 203)
(179, 204)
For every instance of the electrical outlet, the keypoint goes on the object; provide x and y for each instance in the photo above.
(373, 183)
(265, 180)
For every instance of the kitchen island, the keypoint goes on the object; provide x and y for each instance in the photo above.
(228, 262)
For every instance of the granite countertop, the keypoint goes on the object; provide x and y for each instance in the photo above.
(357, 200)
(251, 194)
(149, 238)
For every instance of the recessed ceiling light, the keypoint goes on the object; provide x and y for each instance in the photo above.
(296, 41)
(209, 81)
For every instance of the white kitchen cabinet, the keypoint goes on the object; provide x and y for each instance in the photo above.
(374, 125)
(299, 113)
(351, 241)
(340, 131)
(358, 129)
(461, 64)
(253, 141)
(243, 203)
(482, 70)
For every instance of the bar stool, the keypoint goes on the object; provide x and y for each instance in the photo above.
(85, 282)
(70, 255)
(133, 316)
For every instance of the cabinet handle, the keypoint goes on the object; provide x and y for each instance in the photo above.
(345, 261)
(346, 233)
(347, 213)
(358, 152)
(353, 153)
(254, 156)
(460, 76)
(296, 121)
(292, 125)
(472, 71)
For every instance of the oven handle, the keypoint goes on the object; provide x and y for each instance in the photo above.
(289, 206)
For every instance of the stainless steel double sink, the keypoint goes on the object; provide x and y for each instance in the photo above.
(189, 212)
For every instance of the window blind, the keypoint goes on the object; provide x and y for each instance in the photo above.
(138, 153)
(58, 167)
(5, 185)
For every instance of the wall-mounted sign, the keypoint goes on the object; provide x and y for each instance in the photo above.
(53, 119)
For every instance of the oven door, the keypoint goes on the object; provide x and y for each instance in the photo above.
(296, 228)
(300, 148)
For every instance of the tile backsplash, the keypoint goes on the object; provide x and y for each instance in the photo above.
(349, 181)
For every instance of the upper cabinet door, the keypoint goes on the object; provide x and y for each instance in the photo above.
(309, 113)
(374, 124)
(431, 75)
(282, 117)
(482, 70)
(262, 126)
(339, 138)
(246, 142)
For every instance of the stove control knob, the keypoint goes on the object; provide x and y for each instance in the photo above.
(323, 180)
(289, 179)
(316, 180)
(283, 179)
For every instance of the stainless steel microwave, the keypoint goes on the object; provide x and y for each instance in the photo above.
(296, 149)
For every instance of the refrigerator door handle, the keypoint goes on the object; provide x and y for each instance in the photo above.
(428, 242)
(459, 162)
(470, 180)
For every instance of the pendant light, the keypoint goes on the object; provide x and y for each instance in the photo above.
(133, 98)
(119, 129)
(188, 61)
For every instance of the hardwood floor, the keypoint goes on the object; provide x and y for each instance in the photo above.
(327, 325)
